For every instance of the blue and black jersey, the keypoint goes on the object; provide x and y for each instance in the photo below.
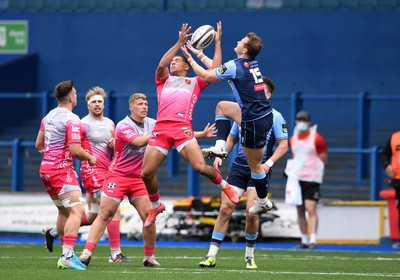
(247, 85)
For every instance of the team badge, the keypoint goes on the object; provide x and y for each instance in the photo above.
(222, 69)
(111, 185)
(188, 81)
(188, 133)
(246, 64)
(284, 128)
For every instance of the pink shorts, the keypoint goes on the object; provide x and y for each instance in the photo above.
(93, 182)
(168, 134)
(118, 187)
(61, 182)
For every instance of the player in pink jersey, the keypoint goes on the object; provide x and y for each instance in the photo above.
(59, 140)
(123, 178)
(98, 139)
(177, 96)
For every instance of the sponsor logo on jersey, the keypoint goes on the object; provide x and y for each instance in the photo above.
(222, 69)
(154, 134)
(112, 185)
(259, 87)
(76, 128)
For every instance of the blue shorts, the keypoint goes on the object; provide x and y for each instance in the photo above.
(254, 133)
(240, 176)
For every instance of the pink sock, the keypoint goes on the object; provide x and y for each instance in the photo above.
(154, 197)
(148, 251)
(114, 231)
(90, 246)
(69, 240)
(217, 180)
(85, 221)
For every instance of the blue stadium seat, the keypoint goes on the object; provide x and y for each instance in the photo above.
(16, 5)
(367, 4)
(196, 5)
(389, 4)
(138, 5)
(103, 6)
(291, 4)
(235, 5)
(85, 6)
(329, 4)
(51, 5)
(310, 4)
(121, 5)
(68, 5)
(3, 5)
(273, 4)
(213, 5)
(34, 5)
(176, 5)
(352, 4)
(254, 4)
(154, 5)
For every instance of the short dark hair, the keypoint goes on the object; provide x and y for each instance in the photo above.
(254, 45)
(185, 60)
(269, 83)
(63, 89)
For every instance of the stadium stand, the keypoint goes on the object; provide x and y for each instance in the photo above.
(190, 5)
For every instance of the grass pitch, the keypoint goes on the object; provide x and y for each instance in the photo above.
(33, 262)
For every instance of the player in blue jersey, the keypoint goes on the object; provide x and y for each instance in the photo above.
(255, 119)
(240, 179)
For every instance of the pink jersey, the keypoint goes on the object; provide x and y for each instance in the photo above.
(60, 127)
(95, 136)
(127, 159)
(177, 97)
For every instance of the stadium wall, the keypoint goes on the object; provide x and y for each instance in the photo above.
(315, 52)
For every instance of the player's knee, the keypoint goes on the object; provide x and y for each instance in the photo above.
(251, 219)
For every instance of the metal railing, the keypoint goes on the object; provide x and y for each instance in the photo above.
(193, 178)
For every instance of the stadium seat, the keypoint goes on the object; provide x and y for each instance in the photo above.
(351, 4)
(196, 5)
(389, 4)
(121, 5)
(213, 5)
(85, 6)
(291, 4)
(234, 5)
(33, 5)
(51, 5)
(273, 4)
(68, 5)
(3, 5)
(16, 5)
(310, 4)
(154, 5)
(255, 4)
(367, 4)
(137, 5)
(176, 5)
(329, 4)
(103, 6)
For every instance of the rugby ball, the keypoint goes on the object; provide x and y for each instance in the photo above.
(202, 37)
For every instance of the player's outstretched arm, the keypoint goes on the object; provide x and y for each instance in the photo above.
(162, 69)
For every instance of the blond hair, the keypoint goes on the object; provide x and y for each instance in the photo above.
(96, 91)
(137, 96)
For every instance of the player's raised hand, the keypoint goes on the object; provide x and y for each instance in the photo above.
(184, 33)
(218, 33)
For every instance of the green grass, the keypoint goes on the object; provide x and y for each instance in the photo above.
(33, 262)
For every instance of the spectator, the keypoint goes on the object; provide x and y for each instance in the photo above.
(310, 156)
(390, 159)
